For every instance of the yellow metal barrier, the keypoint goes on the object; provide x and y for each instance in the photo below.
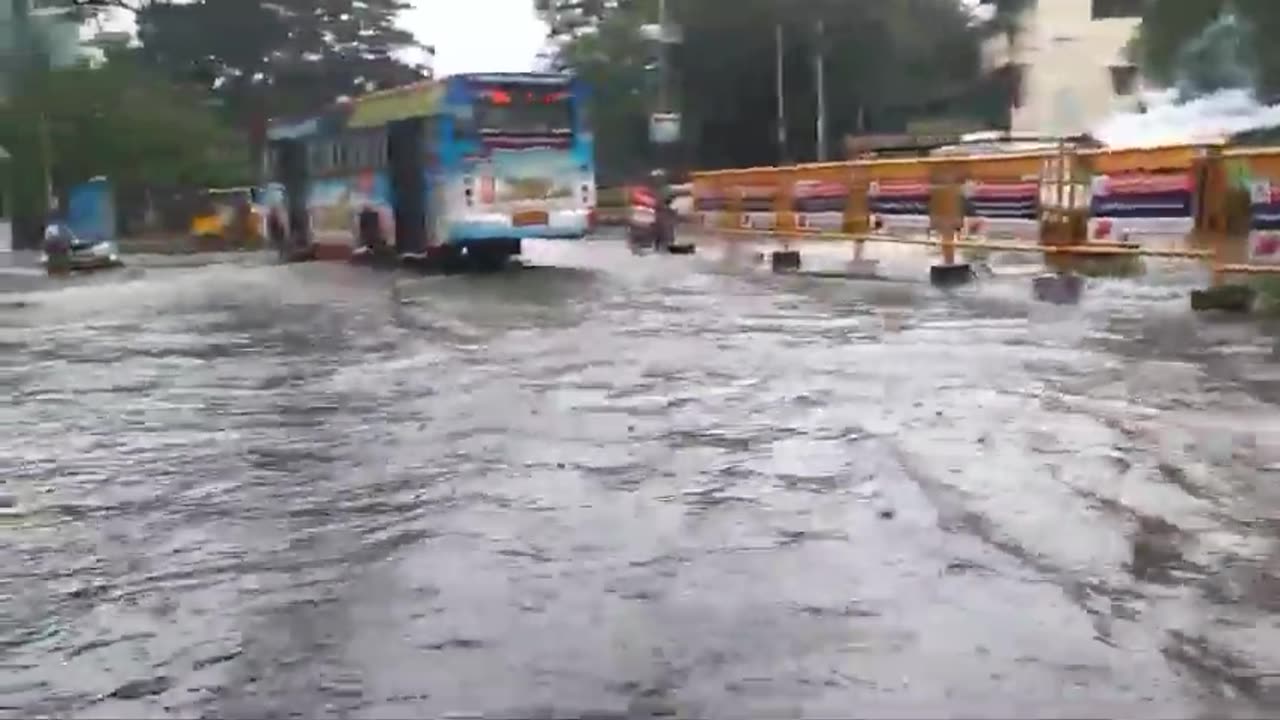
(1215, 205)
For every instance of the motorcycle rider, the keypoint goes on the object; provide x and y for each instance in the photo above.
(664, 214)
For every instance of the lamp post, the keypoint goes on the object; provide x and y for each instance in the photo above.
(664, 121)
(819, 77)
(780, 91)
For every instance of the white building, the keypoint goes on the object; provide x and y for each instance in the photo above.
(55, 31)
(1071, 61)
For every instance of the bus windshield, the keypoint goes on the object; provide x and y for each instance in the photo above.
(516, 110)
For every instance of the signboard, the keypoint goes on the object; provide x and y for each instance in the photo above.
(664, 128)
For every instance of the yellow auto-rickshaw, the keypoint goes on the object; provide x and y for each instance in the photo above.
(230, 217)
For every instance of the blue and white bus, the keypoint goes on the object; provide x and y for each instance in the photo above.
(468, 165)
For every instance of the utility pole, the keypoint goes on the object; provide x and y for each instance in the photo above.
(23, 68)
(819, 73)
(663, 92)
(780, 88)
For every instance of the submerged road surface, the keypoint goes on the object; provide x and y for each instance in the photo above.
(655, 485)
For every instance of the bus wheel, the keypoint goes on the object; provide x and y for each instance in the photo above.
(442, 258)
(488, 257)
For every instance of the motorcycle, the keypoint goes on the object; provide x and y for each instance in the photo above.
(652, 224)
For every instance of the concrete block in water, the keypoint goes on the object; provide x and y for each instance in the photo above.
(1228, 298)
(785, 260)
(949, 276)
(1058, 288)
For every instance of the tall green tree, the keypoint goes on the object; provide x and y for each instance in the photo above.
(1170, 28)
(884, 65)
(122, 121)
(274, 56)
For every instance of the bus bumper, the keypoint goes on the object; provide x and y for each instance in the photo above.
(560, 224)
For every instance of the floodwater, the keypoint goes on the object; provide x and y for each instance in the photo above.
(632, 486)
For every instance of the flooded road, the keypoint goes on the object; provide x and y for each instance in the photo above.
(645, 486)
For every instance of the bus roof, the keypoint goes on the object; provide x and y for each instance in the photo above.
(418, 99)
(372, 109)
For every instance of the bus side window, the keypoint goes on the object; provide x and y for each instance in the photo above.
(463, 128)
(315, 158)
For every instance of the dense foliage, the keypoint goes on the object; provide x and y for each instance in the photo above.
(886, 63)
(1172, 30)
(120, 120)
(176, 107)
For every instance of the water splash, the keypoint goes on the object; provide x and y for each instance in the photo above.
(1212, 99)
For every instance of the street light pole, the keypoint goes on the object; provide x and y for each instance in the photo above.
(663, 97)
(780, 89)
(819, 72)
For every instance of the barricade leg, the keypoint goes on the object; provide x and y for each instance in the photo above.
(950, 273)
(786, 259)
(1221, 295)
(1227, 298)
(860, 266)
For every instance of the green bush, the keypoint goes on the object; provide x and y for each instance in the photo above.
(1268, 287)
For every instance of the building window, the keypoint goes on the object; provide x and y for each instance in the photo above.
(1104, 9)
(1124, 79)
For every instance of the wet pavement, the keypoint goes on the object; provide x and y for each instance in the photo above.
(646, 486)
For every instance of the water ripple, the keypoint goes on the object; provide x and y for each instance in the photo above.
(631, 486)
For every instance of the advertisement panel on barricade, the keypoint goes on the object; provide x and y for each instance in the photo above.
(1002, 209)
(710, 203)
(1256, 171)
(899, 206)
(1264, 221)
(1129, 205)
(820, 204)
(758, 205)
